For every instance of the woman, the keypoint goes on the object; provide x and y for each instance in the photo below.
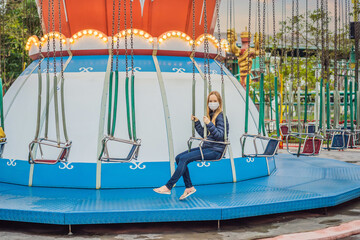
(215, 125)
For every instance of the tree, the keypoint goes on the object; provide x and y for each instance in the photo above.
(19, 21)
(314, 49)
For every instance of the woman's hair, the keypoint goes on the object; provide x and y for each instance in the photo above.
(218, 110)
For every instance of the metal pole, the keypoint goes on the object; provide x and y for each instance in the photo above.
(357, 33)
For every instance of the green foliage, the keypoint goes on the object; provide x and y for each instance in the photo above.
(18, 21)
(311, 38)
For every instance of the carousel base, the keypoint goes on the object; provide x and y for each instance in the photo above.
(297, 184)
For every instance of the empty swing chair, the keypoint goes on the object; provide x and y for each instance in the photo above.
(309, 142)
(51, 151)
(344, 137)
(271, 144)
(133, 142)
(207, 85)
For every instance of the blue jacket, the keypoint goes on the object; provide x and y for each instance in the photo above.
(215, 132)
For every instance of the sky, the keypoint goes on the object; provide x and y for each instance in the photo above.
(242, 12)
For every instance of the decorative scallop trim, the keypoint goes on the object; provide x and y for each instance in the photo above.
(88, 32)
(137, 32)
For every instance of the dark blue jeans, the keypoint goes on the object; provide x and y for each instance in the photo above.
(183, 159)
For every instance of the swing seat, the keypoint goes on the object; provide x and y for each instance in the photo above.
(63, 147)
(272, 145)
(45, 161)
(284, 129)
(202, 141)
(2, 135)
(132, 155)
(310, 129)
(339, 139)
(3, 141)
(312, 146)
(353, 138)
(309, 144)
(352, 141)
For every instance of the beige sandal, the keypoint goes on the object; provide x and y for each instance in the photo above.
(157, 190)
(185, 195)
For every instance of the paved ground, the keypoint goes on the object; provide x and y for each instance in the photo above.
(248, 228)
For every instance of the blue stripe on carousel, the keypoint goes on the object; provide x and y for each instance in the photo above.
(176, 64)
(214, 67)
(127, 175)
(72, 175)
(14, 171)
(95, 63)
(30, 68)
(211, 172)
(141, 64)
(134, 175)
(98, 63)
(249, 168)
(51, 65)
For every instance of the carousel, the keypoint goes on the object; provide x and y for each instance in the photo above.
(96, 120)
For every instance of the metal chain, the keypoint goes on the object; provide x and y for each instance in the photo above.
(283, 43)
(117, 36)
(347, 21)
(53, 32)
(263, 37)
(357, 29)
(48, 38)
(298, 43)
(335, 45)
(219, 38)
(317, 32)
(292, 38)
(61, 44)
(306, 42)
(274, 36)
(112, 37)
(193, 93)
(132, 38)
(343, 11)
(285, 31)
(206, 48)
(327, 41)
(322, 39)
(205, 42)
(259, 31)
(249, 31)
(230, 13)
(41, 23)
(126, 40)
(193, 38)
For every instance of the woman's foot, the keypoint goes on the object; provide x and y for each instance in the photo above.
(162, 190)
(187, 192)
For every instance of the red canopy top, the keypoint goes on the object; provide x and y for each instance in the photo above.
(152, 16)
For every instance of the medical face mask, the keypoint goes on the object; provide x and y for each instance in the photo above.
(213, 105)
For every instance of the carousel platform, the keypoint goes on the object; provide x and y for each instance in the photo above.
(297, 184)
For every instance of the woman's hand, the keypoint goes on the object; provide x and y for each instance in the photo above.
(193, 118)
(206, 120)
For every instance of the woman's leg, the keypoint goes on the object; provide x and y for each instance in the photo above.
(186, 175)
(208, 155)
(181, 169)
(211, 154)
